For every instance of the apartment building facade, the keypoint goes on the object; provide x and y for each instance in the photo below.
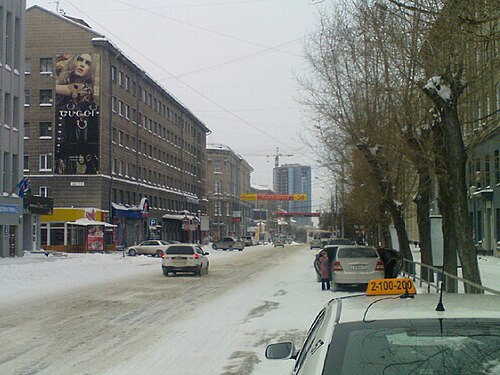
(294, 179)
(11, 125)
(103, 135)
(480, 108)
(228, 176)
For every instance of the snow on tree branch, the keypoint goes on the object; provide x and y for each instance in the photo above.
(444, 91)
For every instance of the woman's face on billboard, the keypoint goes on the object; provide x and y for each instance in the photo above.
(83, 63)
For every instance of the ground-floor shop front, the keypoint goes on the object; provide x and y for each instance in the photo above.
(77, 230)
(11, 226)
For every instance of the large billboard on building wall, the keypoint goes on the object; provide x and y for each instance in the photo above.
(76, 146)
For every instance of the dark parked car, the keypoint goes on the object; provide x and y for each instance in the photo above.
(393, 261)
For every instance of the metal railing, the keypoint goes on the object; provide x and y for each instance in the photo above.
(432, 277)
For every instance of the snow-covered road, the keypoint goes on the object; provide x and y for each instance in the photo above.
(109, 314)
(138, 321)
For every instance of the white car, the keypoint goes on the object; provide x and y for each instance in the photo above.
(354, 265)
(185, 258)
(150, 247)
(392, 335)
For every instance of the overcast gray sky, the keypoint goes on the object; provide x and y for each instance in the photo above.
(233, 63)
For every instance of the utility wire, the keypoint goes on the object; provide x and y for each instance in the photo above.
(181, 81)
(199, 27)
(162, 68)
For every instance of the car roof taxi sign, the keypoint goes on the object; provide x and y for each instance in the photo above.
(403, 285)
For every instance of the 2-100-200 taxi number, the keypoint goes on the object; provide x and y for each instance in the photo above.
(391, 286)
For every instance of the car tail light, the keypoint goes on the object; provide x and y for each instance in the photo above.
(162, 255)
(379, 266)
(196, 256)
(337, 266)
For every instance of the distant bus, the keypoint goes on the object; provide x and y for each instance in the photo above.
(320, 234)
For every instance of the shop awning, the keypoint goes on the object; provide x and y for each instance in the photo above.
(86, 222)
(178, 217)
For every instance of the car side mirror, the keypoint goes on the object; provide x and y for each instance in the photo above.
(205, 253)
(281, 350)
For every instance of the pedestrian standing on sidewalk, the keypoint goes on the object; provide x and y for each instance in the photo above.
(324, 268)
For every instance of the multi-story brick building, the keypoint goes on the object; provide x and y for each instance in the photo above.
(228, 176)
(100, 133)
(11, 130)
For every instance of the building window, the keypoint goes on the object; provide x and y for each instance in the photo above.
(27, 66)
(43, 191)
(114, 104)
(217, 188)
(120, 78)
(114, 166)
(487, 179)
(120, 107)
(44, 163)
(127, 111)
(45, 129)
(217, 166)
(27, 99)
(26, 166)
(113, 73)
(498, 223)
(45, 65)
(45, 97)
(497, 171)
(127, 83)
(120, 138)
(26, 130)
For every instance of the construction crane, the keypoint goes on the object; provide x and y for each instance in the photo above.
(276, 156)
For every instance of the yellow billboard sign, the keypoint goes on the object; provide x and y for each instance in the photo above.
(248, 197)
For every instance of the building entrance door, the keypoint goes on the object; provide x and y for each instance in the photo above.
(12, 241)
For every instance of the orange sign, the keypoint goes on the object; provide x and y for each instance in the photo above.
(248, 197)
(390, 286)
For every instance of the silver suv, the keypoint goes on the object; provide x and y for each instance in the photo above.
(229, 243)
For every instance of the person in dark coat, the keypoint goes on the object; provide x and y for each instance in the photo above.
(324, 268)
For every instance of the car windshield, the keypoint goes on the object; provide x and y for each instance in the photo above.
(180, 250)
(357, 252)
(419, 346)
(164, 242)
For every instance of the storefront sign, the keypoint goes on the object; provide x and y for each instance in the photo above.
(34, 204)
(9, 208)
(95, 238)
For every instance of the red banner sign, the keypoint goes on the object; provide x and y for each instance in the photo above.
(303, 214)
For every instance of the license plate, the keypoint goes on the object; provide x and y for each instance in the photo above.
(356, 267)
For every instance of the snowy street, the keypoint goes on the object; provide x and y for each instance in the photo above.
(138, 321)
(109, 314)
